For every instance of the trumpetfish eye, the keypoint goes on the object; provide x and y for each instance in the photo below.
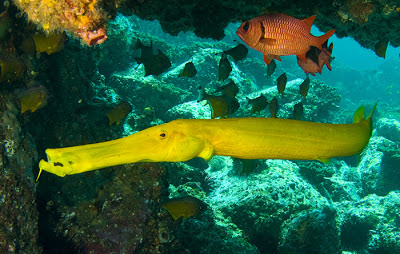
(246, 26)
(163, 135)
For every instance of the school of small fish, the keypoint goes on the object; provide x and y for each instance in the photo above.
(274, 35)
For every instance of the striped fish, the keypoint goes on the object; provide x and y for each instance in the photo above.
(278, 34)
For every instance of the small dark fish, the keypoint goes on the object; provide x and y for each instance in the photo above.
(221, 106)
(146, 51)
(119, 112)
(248, 166)
(281, 83)
(11, 69)
(298, 111)
(32, 98)
(158, 64)
(238, 53)
(153, 64)
(185, 207)
(5, 24)
(258, 104)
(304, 87)
(274, 107)
(225, 68)
(230, 89)
(189, 70)
(271, 68)
(42, 42)
(381, 47)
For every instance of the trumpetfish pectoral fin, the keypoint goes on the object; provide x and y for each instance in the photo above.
(207, 152)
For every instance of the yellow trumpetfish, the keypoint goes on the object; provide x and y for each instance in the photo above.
(244, 138)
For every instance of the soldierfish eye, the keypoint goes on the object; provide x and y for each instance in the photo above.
(246, 26)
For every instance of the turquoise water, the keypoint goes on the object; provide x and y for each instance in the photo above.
(349, 205)
(224, 205)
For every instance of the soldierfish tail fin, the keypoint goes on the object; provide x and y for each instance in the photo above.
(325, 45)
(330, 49)
(325, 37)
(328, 60)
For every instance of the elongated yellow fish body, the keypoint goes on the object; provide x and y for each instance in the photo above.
(244, 138)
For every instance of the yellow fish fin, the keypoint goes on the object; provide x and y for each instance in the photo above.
(359, 114)
(323, 160)
(373, 110)
(207, 152)
(40, 172)
(24, 108)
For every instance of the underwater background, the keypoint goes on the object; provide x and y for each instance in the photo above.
(76, 90)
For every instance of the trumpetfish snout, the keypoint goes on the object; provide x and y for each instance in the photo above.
(167, 142)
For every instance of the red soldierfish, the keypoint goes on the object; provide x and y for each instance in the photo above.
(316, 59)
(278, 34)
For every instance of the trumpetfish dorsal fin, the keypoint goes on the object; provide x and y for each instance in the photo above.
(359, 114)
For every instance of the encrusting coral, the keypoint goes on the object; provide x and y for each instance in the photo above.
(83, 18)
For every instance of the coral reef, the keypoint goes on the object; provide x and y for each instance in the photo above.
(371, 223)
(259, 204)
(84, 19)
(377, 168)
(389, 129)
(312, 231)
(278, 206)
(18, 208)
(121, 218)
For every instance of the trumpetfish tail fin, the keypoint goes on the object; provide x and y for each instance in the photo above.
(359, 115)
(373, 110)
(369, 118)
